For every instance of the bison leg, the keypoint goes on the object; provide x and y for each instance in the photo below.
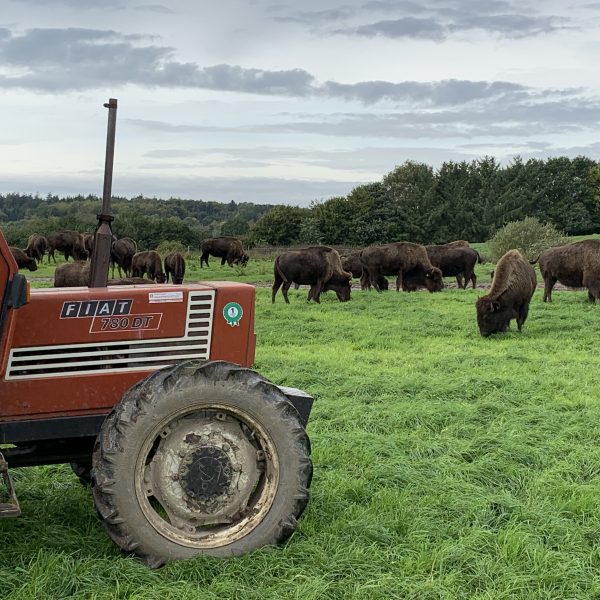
(296, 286)
(314, 292)
(365, 282)
(591, 297)
(522, 313)
(473, 280)
(459, 282)
(276, 285)
(284, 291)
(204, 258)
(372, 275)
(399, 282)
(548, 285)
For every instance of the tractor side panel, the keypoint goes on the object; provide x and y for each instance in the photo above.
(75, 351)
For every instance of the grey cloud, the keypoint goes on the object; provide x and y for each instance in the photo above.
(436, 20)
(509, 25)
(317, 16)
(79, 59)
(81, 4)
(394, 6)
(155, 8)
(439, 93)
(430, 28)
(524, 115)
(76, 59)
(374, 159)
(411, 27)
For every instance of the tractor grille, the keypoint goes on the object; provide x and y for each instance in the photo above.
(110, 357)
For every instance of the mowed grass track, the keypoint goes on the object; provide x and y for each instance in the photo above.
(446, 465)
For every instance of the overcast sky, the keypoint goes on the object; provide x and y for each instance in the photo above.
(263, 101)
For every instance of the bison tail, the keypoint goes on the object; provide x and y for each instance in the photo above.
(279, 271)
(479, 257)
(533, 262)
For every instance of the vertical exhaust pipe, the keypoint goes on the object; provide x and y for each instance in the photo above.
(103, 235)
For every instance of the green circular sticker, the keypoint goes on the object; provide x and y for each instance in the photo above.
(233, 312)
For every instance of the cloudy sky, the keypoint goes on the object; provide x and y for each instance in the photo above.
(264, 101)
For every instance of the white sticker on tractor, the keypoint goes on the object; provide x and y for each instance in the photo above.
(157, 297)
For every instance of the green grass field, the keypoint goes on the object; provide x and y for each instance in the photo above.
(446, 465)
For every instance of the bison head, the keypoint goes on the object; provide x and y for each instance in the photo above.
(160, 278)
(79, 252)
(340, 284)
(244, 259)
(492, 317)
(434, 281)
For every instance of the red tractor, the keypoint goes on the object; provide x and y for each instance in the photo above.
(146, 391)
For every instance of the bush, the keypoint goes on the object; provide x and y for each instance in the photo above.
(529, 236)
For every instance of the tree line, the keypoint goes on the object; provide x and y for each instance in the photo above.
(460, 200)
(149, 221)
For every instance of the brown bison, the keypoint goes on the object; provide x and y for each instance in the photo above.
(148, 262)
(352, 264)
(70, 243)
(72, 274)
(175, 267)
(574, 265)
(121, 255)
(228, 249)
(509, 297)
(455, 261)
(23, 261)
(320, 267)
(88, 242)
(397, 259)
(36, 247)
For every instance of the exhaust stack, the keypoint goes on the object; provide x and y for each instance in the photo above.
(103, 235)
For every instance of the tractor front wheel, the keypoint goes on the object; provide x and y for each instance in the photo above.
(201, 458)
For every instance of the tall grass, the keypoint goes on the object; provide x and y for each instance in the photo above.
(447, 465)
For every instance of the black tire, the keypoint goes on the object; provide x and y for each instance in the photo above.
(216, 419)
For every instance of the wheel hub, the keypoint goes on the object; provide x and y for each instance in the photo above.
(204, 471)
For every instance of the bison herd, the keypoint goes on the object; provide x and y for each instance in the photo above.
(323, 269)
(513, 284)
(133, 266)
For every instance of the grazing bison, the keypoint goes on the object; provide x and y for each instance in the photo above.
(455, 261)
(397, 259)
(72, 274)
(317, 266)
(574, 265)
(511, 291)
(175, 267)
(228, 249)
(121, 255)
(70, 243)
(352, 264)
(36, 247)
(23, 261)
(148, 262)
